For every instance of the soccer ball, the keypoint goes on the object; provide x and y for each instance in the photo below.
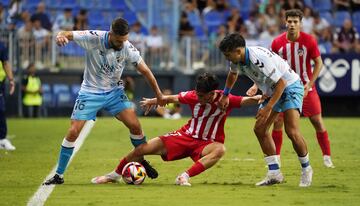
(133, 173)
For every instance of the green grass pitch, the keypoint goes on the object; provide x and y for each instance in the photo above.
(230, 182)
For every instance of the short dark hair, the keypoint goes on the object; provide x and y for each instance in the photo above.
(120, 26)
(232, 42)
(294, 13)
(206, 82)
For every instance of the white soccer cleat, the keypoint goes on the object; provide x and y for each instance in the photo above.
(112, 177)
(271, 179)
(306, 177)
(327, 162)
(6, 144)
(183, 180)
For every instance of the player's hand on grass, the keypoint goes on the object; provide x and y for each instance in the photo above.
(263, 114)
(61, 40)
(252, 90)
(223, 103)
(148, 104)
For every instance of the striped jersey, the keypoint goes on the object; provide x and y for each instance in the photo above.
(103, 65)
(265, 68)
(207, 121)
(298, 54)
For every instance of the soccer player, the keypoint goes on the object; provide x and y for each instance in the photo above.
(5, 71)
(283, 91)
(202, 138)
(298, 49)
(106, 53)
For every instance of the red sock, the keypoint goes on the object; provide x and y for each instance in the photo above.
(196, 169)
(277, 137)
(121, 165)
(324, 142)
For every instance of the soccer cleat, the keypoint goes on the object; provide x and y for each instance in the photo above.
(56, 180)
(306, 177)
(183, 180)
(271, 179)
(150, 171)
(112, 177)
(327, 162)
(6, 144)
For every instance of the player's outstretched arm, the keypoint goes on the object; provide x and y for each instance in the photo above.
(148, 104)
(63, 37)
(253, 100)
(230, 81)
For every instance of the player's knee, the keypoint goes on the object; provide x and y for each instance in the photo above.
(293, 133)
(73, 133)
(219, 151)
(259, 131)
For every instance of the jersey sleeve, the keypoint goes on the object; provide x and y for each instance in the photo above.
(314, 52)
(235, 101)
(88, 39)
(274, 45)
(133, 54)
(188, 97)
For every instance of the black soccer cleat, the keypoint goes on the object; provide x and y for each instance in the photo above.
(56, 180)
(150, 171)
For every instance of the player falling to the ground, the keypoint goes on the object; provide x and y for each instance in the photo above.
(201, 138)
(284, 92)
(298, 49)
(106, 54)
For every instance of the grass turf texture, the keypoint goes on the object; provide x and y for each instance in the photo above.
(230, 182)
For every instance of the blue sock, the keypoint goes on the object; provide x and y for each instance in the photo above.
(65, 154)
(136, 142)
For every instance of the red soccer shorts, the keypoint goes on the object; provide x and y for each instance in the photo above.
(311, 104)
(179, 146)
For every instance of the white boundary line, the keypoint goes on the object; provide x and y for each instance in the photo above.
(44, 191)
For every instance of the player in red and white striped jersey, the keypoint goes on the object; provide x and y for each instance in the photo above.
(201, 138)
(299, 49)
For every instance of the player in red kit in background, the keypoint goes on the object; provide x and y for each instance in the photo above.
(298, 49)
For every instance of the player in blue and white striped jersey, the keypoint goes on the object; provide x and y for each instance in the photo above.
(106, 54)
(282, 91)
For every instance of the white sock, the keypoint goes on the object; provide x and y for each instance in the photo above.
(273, 164)
(68, 144)
(305, 161)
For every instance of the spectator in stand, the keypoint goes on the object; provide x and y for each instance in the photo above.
(81, 21)
(137, 38)
(157, 50)
(342, 5)
(31, 87)
(200, 4)
(346, 38)
(15, 13)
(307, 21)
(64, 21)
(42, 16)
(355, 5)
(234, 22)
(268, 35)
(210, 6)
(3, 24)
(26, 42)
(221, 5)
(320, 24)
(41, 35)
(325, 42)
(292, 4)
(185, 28)
(253, 25)
(271, 18)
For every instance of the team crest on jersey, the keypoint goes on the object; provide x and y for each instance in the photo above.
(300, 52)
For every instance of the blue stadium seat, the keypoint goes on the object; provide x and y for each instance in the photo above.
(213, 20)
(118, 5)
(194, 18)
(356, 19)
(96, 19)
(322, 5)
(327, 16)
(130, 17)
(199, 32)
(62, 95)
(140, 5)
(235, 3)
(5, 3)
(72, 49)
(308, 3)
(339, 18)
(31, 4)
(68, 4)
(246, 5)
